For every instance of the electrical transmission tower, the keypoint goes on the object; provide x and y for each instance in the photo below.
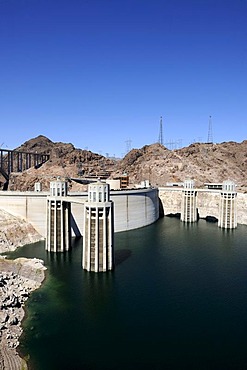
(161, 132)
(210, 131)
(128, 145)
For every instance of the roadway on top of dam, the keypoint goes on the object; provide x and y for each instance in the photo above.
(113, 192)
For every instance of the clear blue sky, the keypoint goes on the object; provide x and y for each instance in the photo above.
(98, 73)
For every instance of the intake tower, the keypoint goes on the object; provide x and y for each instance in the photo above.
(228, 206)
(188, 207)
(98, 253)
(58, 236)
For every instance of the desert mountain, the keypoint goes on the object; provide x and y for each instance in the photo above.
(65, 161)
(200, 161)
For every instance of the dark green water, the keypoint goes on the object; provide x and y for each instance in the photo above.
(176, 300)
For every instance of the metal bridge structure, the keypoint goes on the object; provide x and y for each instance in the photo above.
(19, 161)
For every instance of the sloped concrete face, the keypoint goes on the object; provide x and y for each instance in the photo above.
(132, 208)
(31, 206)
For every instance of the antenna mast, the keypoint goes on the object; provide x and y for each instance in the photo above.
(210, 131)
(161, 132)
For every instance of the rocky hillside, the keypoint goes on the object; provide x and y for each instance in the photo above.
(65, 161)
(201, 162)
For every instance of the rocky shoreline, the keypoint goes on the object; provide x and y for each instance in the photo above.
(15, 232)
(18, 278)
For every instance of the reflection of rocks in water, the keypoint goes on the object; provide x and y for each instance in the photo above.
(122, 255)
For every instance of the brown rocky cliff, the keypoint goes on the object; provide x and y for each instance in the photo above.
(200, 161)
(65, 161)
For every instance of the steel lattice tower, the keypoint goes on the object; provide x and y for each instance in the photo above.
(210, 131)
(161, 132)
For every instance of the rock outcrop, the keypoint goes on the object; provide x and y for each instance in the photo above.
(15, 232)
(18, 278)
(200, 162)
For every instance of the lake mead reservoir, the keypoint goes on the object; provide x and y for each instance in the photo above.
(177, 299)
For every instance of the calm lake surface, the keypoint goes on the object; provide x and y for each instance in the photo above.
(177, 299)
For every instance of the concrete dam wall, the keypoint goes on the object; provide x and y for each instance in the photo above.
(132, 208)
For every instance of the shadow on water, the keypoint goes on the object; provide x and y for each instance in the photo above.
(161, 209)
(122, 255)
